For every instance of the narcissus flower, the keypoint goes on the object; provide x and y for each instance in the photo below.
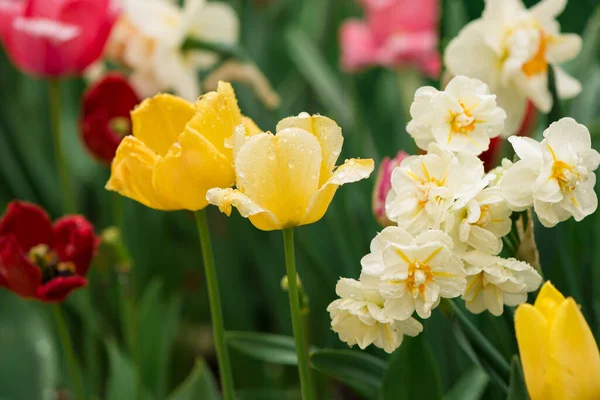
(413, 273)
(288, 179)
(148, 37)
(556, 175)
(40, 260)
(493, 281)
(559, 354)
(510, 48)
(105, 117)
(462, 118)
(177, 151)
(395, 33)
(53, 38)
(382, 187)
(358, 318)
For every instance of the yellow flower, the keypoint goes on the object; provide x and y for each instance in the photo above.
(177, 151)
(559, 355)
(288, 179)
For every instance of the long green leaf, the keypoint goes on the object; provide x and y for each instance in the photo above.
(470, 386)
(517, 389)
(276, 349)
(122, 375)
(200, 384)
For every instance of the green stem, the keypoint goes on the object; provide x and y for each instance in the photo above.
(66, 188)
(65, 338)
(290, 264)
(215, 306)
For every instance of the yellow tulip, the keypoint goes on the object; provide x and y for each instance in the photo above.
(177, 151)
(288, 179)
(559, 355)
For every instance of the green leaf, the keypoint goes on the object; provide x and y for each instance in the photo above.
(470, 386)
(517, 389)
(200, 384)
(122, 376)
(276, 349)
(412, 373)
(267, 394)
(454, 18)
(360, 371)
(319, 75)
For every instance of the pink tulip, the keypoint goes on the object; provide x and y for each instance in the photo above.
(395, 33)
(53, 38)
(383, 184)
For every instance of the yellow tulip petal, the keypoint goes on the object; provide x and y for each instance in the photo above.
(191, 167)
(159, 121)
(548, 301)
(352, 170)
(574, 358)
(251, 127)
(131, 174)
(328, 133)
(225, 198)
(532, 337)
(280, 173)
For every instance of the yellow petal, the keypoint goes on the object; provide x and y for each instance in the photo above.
(575, 360)
(531, 330)
(351, 171)
(251, 127)
(225, 198)
(548, 301)
(131, 174)
(280, 173)
(191, 167)
(327, 132)
(159, 121)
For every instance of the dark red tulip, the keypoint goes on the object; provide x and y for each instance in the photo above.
(42, 261)
(105, 120)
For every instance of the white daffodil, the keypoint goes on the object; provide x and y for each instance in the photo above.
(556, 175)
(357, 317)
(413, 273)
(148, 39)
(494, 281)
(480, 222)
(510, 48)
(424, 187)
(495, 175)
(462, 118)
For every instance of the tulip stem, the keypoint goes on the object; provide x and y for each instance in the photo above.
(65, 337)
(66, 188)
(290, 264)
(215, 306)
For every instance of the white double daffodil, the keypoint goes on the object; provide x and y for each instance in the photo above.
(556, 175)
(357, 317)
(462, 118)
(510, 48)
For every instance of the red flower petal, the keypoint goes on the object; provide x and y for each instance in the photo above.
(16, 272)
(74, 240)
(57, 289)
(28, 223)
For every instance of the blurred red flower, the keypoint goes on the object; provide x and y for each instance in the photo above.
(105, 117)
(383, 185)
(40, 260)
(53, 38)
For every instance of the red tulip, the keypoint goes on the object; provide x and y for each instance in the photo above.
(40, 260)
(105, 120)
(53, 38)
(382, 187)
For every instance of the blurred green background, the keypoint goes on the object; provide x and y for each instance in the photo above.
(295, 44)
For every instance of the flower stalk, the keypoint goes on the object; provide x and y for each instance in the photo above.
(65, 339)
(215, 306)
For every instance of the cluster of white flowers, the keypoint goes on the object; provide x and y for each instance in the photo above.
(451, 216)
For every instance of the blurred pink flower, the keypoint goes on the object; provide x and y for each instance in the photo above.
(383, 184)
(394, 33)
(53, 38)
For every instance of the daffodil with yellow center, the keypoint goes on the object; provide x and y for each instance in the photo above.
(559, 354)
(288, 179)
(177, 150)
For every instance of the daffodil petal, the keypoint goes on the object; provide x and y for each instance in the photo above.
(352, 170)
(159, 121)
(327, 132)
(226, 198)
(131, 174)
(191, 167)
(531, 330)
